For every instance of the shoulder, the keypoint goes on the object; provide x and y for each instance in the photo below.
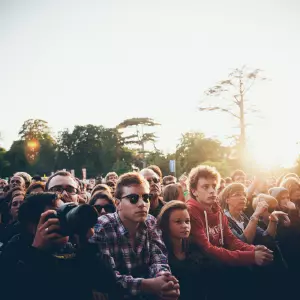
(106, 223)
(151, 221)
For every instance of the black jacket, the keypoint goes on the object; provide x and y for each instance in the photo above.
(29, 273)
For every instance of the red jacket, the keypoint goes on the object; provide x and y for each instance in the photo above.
(210, 231)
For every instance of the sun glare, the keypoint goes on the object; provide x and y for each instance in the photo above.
(270, 155)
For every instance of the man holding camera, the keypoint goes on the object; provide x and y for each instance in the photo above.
(47, 263)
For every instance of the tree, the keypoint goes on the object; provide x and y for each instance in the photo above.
(231, 94)
(4, 164)
(35, 129)
(161, 160)
(32, 132)
(138, 137)
(194, 148)
(91, 147)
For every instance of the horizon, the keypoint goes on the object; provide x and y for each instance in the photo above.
(101, 63)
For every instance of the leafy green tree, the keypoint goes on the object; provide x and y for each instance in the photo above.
(194, 148)
(91, 147)
(138, 137)
(4, 163)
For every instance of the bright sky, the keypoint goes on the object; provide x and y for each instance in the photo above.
(100, 62)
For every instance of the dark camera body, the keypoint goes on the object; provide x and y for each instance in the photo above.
(75, 219)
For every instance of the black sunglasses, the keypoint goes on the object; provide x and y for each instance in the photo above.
(134, 198)
(109, 208)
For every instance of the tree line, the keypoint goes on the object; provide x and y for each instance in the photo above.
(100, 150)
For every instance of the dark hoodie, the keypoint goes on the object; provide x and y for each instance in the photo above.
(211, 232)
(41, 275)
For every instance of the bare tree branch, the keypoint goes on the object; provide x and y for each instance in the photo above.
(220, 109)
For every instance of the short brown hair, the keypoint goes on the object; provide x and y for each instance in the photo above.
(202, 171)
(102, 195)
(58, 173)
(228, 180)
(168, 178)
(171, 192)
(100, 187)
(238, 173)
(128, 179)
(34, 186)
(229, 191)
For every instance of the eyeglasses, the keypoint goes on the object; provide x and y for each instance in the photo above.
(134, 198)
(15, 181)
(60, 189)
(109, 208)
(153, 179)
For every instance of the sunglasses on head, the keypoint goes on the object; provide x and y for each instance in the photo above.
(109, 208)
(134, 198)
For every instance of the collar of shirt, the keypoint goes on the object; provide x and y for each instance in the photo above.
(123, 230)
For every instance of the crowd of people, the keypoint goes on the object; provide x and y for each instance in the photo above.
(144, 236)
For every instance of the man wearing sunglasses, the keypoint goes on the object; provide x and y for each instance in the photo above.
(131, 241)
(63, 184)
(156, 202)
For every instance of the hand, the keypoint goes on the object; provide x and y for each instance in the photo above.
(170, 291)
(286, 221)
(263, 255)
(274, 215)
(261, 207)
(263, 248)
(163, 285)
(46, 234)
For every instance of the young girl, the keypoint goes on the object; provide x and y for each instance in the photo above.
(187, 263)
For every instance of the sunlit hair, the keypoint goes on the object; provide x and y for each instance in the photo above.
(156, 170)
(163, 222)
(110, 174)
(291, 184)
(58, 173)
(101, 187)
(238, 173)
(129, 179)
(25, 176)
(34, 186)
(271, 201)
(291, 175)
(201, 171)
(171, 192)
(229, 191)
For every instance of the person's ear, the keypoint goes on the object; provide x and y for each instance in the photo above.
(194, 192)
(118, 204)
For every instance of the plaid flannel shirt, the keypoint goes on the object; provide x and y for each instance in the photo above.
(113, 240)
